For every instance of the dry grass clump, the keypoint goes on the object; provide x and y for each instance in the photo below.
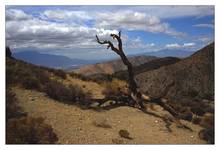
(28, 130)
(69, 94)
(58, 91)
(114, 88)
(78, 76)
(12, 109)
(208, 133)
(125, 134)
(27, 75)
(60, 73)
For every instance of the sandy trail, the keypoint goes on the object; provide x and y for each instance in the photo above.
(76, 126)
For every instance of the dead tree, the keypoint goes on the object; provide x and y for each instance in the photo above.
(135, 95)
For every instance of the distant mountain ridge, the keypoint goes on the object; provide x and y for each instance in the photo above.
(170, 53)
(49, 60)
(113, 66)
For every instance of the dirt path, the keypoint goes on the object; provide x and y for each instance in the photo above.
(76, 126)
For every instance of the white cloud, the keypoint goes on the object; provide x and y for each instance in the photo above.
(130, 20)
(188, 45)
(15, 14)
(204, 25)
(63, 15)
(24, 30)
(173, 46)
(179, 46)
(41, 34)
(180, 11)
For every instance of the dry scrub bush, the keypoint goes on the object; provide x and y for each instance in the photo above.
(114, 88)
(12, 109)
(27, 75)
(60, 73)
(208, 133)
(78, 76)
(28, 130)
(60, 92)
(124, 134)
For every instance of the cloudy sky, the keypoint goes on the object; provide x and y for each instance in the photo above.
(71, 30)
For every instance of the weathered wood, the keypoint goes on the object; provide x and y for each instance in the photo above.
(136, 95)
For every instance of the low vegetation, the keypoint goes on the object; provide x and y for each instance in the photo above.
(28, 130)
(208, 133)
(22, 129)
(114, 88)
(12, 109)
(68, 94)
(125, 134)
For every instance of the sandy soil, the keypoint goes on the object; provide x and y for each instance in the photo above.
(76, 126)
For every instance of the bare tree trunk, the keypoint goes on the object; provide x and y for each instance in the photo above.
(136, 95)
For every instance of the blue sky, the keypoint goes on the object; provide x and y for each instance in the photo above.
(71, 30)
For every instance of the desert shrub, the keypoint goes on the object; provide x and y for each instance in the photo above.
(70, 94)
(27, 75)
(186, 115)
(78, 93)
(79, 76)
(42, 76)
(60, 73)
(208, 133)
(12, 109)
(58, 91)
(207, 120)
(124, 134)
(114, 88)
(196, 120)
(28, 130)
(100, 78)
(30, 82)
(198, 109)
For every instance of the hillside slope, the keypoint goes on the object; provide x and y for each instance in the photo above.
(49, 60)
(111, 67)
(192, 77)
(150, 65)
(65, 103)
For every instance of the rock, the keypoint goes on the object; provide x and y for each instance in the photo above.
(124, 134)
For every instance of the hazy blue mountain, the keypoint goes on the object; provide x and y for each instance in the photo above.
(170, 53)
(49, 60)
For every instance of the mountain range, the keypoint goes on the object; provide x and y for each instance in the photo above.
(113, 66)
(69, 64)
(170, 53)
(49, 60)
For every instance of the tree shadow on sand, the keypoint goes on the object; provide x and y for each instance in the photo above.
(109, 103)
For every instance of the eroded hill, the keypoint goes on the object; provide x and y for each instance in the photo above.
(192, 77)
(113, 66)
